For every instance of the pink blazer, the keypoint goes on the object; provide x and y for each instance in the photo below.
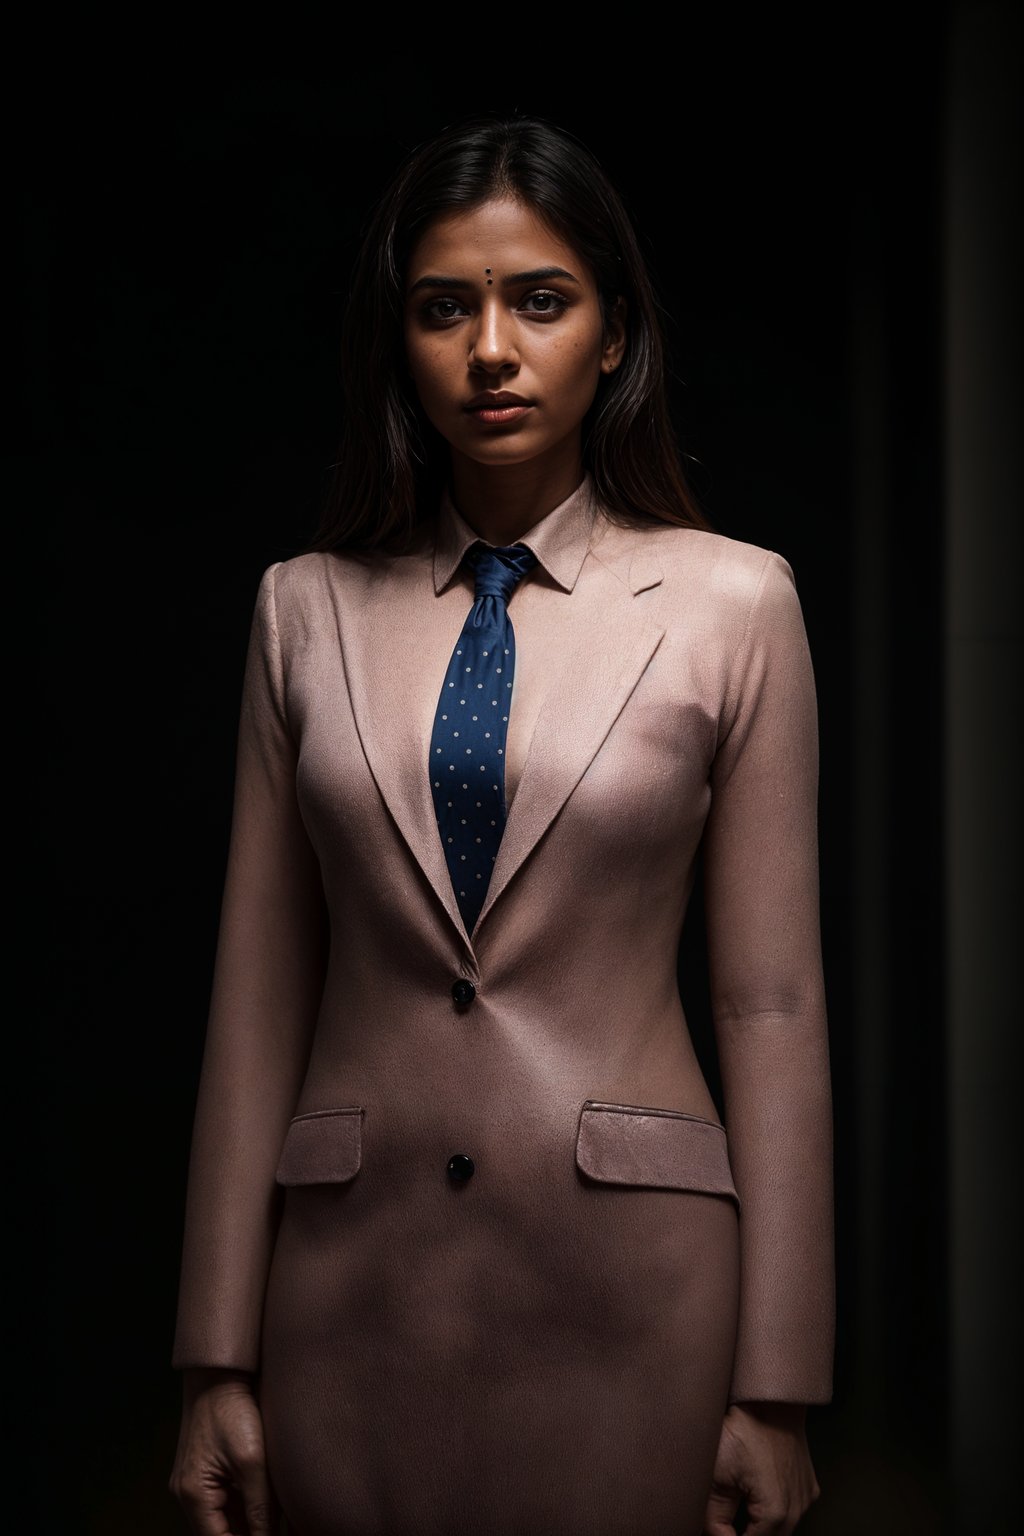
(359, 1037)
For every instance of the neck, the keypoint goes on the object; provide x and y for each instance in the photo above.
(501, 502)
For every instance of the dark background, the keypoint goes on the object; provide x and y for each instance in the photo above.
(804, 192)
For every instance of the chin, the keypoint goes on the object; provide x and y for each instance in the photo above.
(504, 460)
(512, 448)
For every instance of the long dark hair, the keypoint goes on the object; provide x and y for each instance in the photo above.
(392, 463)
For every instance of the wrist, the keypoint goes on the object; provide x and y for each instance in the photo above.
(200, 1378)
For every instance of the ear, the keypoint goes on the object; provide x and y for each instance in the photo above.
(614, 348)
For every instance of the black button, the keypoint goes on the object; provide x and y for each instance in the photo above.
(463, 991)
(460, 1167)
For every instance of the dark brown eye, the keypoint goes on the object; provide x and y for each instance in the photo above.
(545, 303)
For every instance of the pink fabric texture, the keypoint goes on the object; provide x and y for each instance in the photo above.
(621, 1264)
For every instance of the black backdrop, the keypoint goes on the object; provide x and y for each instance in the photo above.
(185, 245)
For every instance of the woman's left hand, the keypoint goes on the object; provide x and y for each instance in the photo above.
(763, 1457)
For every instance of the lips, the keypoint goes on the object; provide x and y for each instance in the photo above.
(495, 401)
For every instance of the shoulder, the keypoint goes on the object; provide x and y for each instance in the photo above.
(301, 583)
(733, 576)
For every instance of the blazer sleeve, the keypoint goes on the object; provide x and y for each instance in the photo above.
(267, 984)
(768, 1001)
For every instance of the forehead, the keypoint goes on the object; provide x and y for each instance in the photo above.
(501, 234)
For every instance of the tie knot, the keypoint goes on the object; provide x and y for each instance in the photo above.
(499, 570)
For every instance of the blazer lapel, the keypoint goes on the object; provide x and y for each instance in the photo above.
(602, 658)
(394, 636)
(606, 647)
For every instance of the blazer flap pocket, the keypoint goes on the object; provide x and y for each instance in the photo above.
(323, 1147)
(657, 1148)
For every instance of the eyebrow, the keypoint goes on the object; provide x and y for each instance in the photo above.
(538, 275)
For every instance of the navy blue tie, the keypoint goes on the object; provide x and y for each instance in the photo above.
(467, 747)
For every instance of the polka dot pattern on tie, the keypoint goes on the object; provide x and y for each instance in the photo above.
(467, 746)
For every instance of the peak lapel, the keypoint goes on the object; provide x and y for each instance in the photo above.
(604, 651)
(400, 633)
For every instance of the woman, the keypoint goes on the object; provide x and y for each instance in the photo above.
(467, 1246)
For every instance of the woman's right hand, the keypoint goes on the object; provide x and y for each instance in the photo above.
(220, 1471)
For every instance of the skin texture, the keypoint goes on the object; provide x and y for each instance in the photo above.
(763, 1457)
(219, 1474)
(549, 341)
(545, 340)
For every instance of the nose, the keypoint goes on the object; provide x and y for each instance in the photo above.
(493, 342)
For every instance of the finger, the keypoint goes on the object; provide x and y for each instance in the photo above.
(720, 1515)
(204, 1503)
(261, 1509)
(768, 1520)
(205, 1521)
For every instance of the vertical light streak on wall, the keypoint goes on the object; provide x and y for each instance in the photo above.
(870, 840)
(984, 689)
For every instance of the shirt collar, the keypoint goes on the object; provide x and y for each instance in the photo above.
(560, 539)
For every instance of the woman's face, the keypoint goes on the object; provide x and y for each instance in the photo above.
(497, 305)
